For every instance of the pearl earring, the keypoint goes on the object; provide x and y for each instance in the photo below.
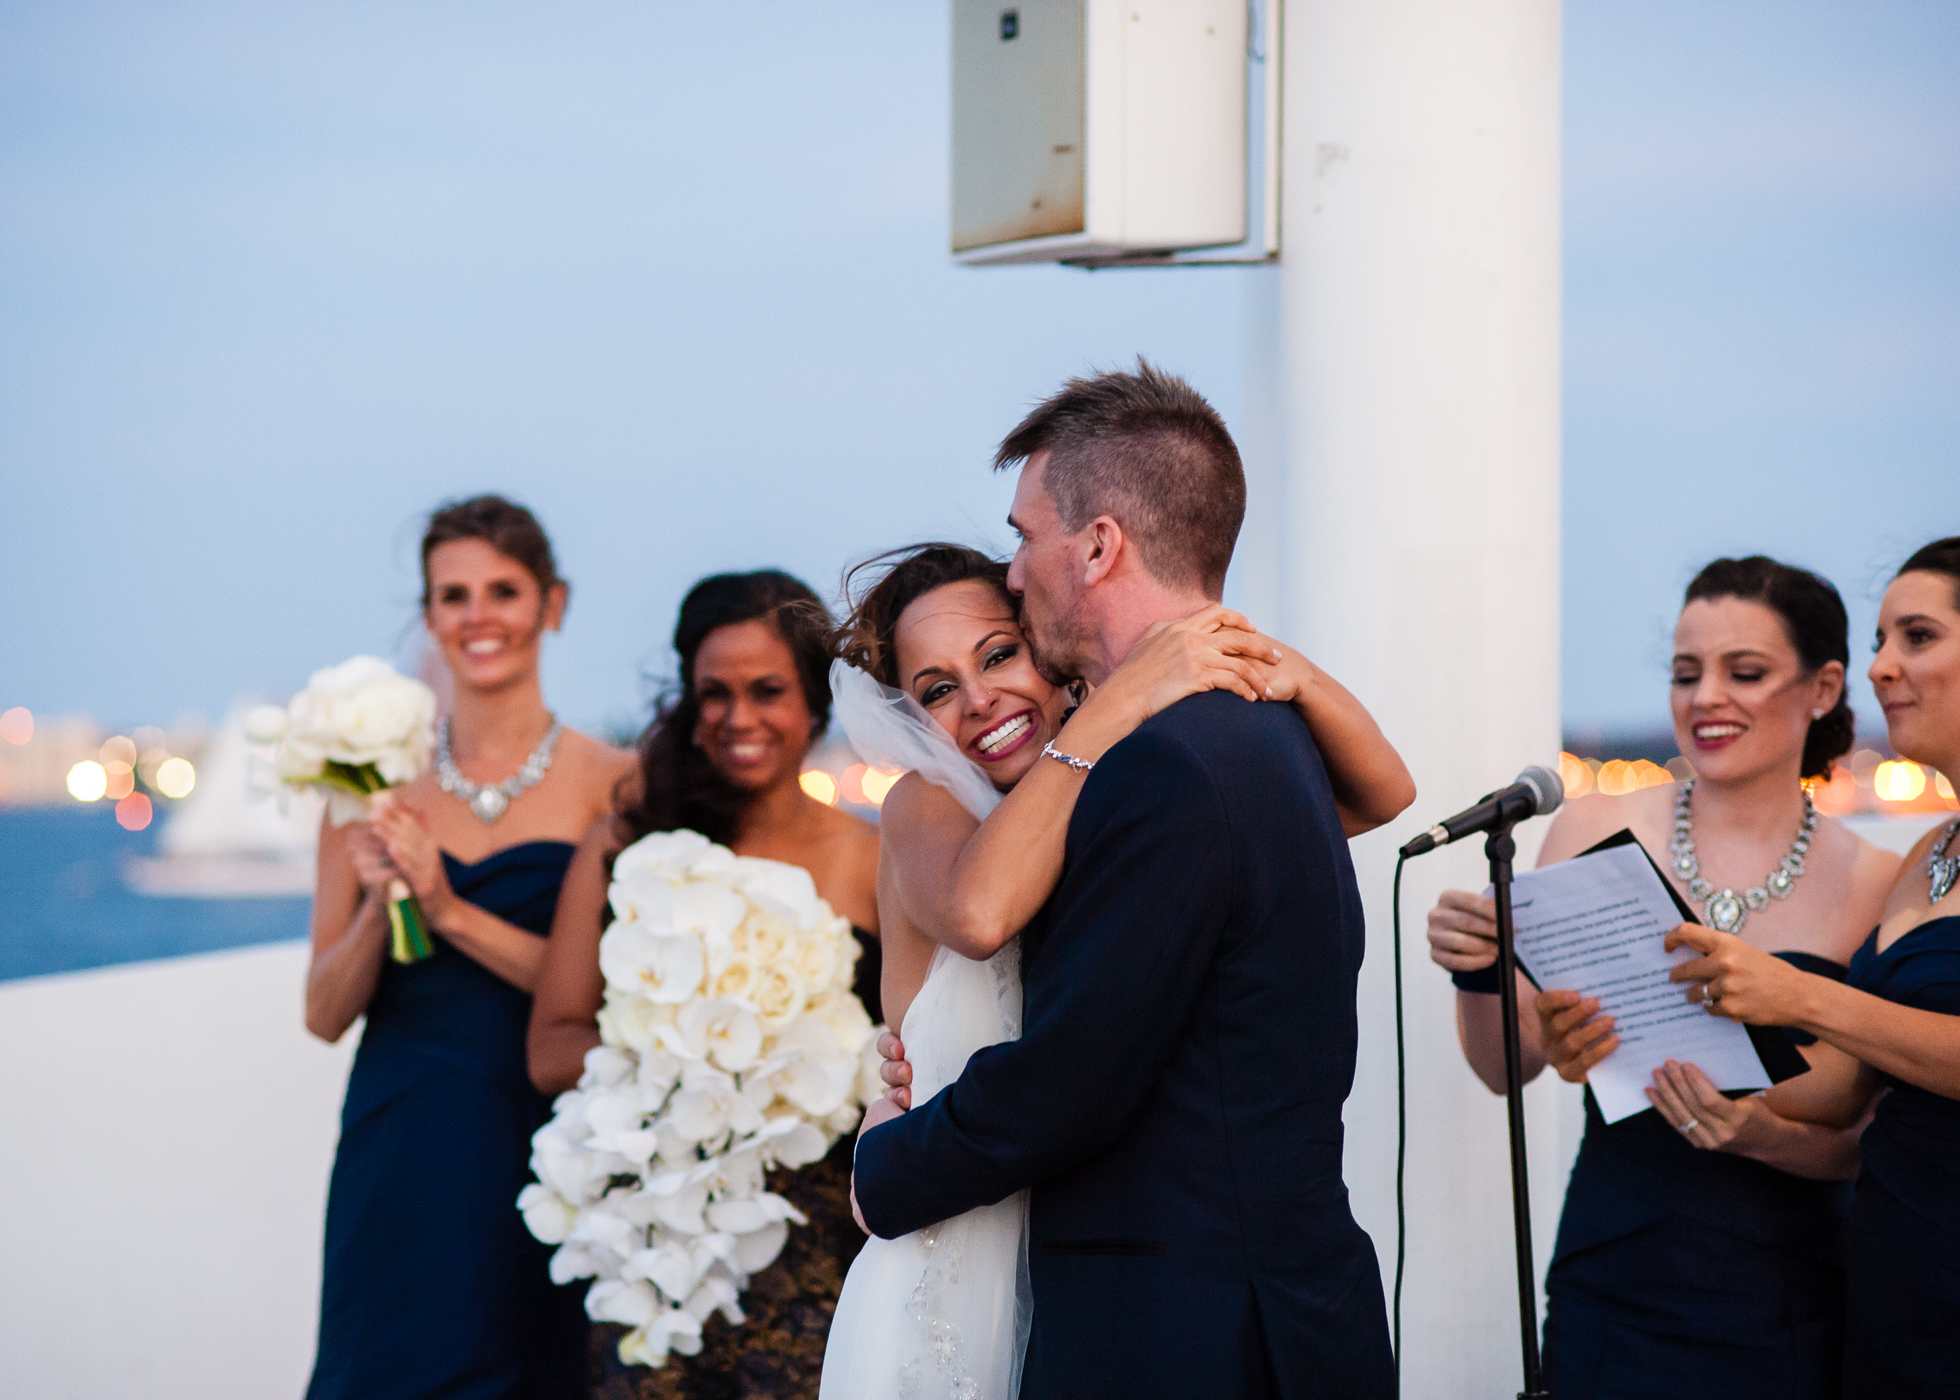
(1817, 714)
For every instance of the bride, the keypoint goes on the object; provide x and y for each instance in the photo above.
(936, 678)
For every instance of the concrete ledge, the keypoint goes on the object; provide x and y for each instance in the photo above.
(166, 1131)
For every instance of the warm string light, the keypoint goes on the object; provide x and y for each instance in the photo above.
(859, 785)
(1891, 783)
(1898, 781)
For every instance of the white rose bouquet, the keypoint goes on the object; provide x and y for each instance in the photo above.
(732, 1044)
(357, 729)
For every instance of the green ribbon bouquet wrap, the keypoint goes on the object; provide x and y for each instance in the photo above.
(358, 729)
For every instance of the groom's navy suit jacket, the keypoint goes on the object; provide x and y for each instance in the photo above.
(1175, 1097)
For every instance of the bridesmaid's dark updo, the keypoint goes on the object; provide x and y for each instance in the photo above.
(1814, 620)
(1939, 557)
(502, 524)
(867, 638)
(678, 786)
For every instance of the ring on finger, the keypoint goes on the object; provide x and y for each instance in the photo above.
(1690, 1126)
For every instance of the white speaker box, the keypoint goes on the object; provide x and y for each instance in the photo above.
(1089, 130)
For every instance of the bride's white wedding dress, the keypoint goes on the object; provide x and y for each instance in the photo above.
(942, 1314)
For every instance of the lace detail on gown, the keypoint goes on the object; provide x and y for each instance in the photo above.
(942, 1314)
(937, 1360)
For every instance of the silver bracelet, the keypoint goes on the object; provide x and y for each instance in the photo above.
(1080, 765)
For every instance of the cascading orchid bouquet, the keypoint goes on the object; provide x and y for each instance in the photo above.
(732, 1043)
(358, 728)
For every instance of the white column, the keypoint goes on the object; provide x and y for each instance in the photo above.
(1403, 406)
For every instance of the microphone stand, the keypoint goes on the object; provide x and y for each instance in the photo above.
(1501, 850)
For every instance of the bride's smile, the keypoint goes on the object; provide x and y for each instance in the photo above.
(961, 654)
(1006, 737)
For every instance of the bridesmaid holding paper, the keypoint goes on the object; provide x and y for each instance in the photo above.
(1891, 1035)
(1680, 1273)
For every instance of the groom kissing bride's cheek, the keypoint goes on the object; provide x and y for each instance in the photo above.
(1173, 858)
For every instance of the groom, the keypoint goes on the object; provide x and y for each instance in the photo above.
(1175, 1098)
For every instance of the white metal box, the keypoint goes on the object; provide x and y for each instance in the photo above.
(1097, 128)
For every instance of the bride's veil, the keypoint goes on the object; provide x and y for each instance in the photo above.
(889, 729)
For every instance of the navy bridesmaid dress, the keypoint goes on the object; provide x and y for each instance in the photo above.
(431, 1284)
(1902, 1339)
(1680, 1273)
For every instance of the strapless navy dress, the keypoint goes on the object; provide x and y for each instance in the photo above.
(431, 1285)
(1902, 1339)
(1680, 1273)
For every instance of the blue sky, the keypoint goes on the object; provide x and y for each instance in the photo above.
(275, 281)
(1762, 313)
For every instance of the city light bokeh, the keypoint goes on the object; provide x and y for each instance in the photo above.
(17, 725)
(820, 785)
(87, 781)
(175, 777)
(66, 758)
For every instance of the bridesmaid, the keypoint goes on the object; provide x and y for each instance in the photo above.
(1680, 1273)
(1891, 1035)
(431, 1284)
(723, 757)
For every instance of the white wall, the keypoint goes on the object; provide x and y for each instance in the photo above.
(1403, 528)
(166, 1130)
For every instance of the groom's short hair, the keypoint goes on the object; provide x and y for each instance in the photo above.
(1148, 451)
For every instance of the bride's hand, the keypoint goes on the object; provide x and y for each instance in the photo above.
(1213, 649)
(896, 1071)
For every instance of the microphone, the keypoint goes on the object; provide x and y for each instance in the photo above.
(1536, 792)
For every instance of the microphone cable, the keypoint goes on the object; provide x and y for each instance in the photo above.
(1401, 1129)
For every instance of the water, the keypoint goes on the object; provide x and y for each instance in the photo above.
(64, 906)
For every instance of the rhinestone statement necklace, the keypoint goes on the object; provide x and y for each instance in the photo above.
(1728, 909)
(1941, 868)
(489, 800)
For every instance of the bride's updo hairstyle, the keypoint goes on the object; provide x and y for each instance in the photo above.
(502, 524)
(867, 640)
(1814, 620)
(678, 786)
(1939, 557)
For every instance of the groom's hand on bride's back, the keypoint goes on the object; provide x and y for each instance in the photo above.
(877, 1111)
(896, 1071)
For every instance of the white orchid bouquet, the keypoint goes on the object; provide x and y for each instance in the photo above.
(357, 729)
(732, 1043)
